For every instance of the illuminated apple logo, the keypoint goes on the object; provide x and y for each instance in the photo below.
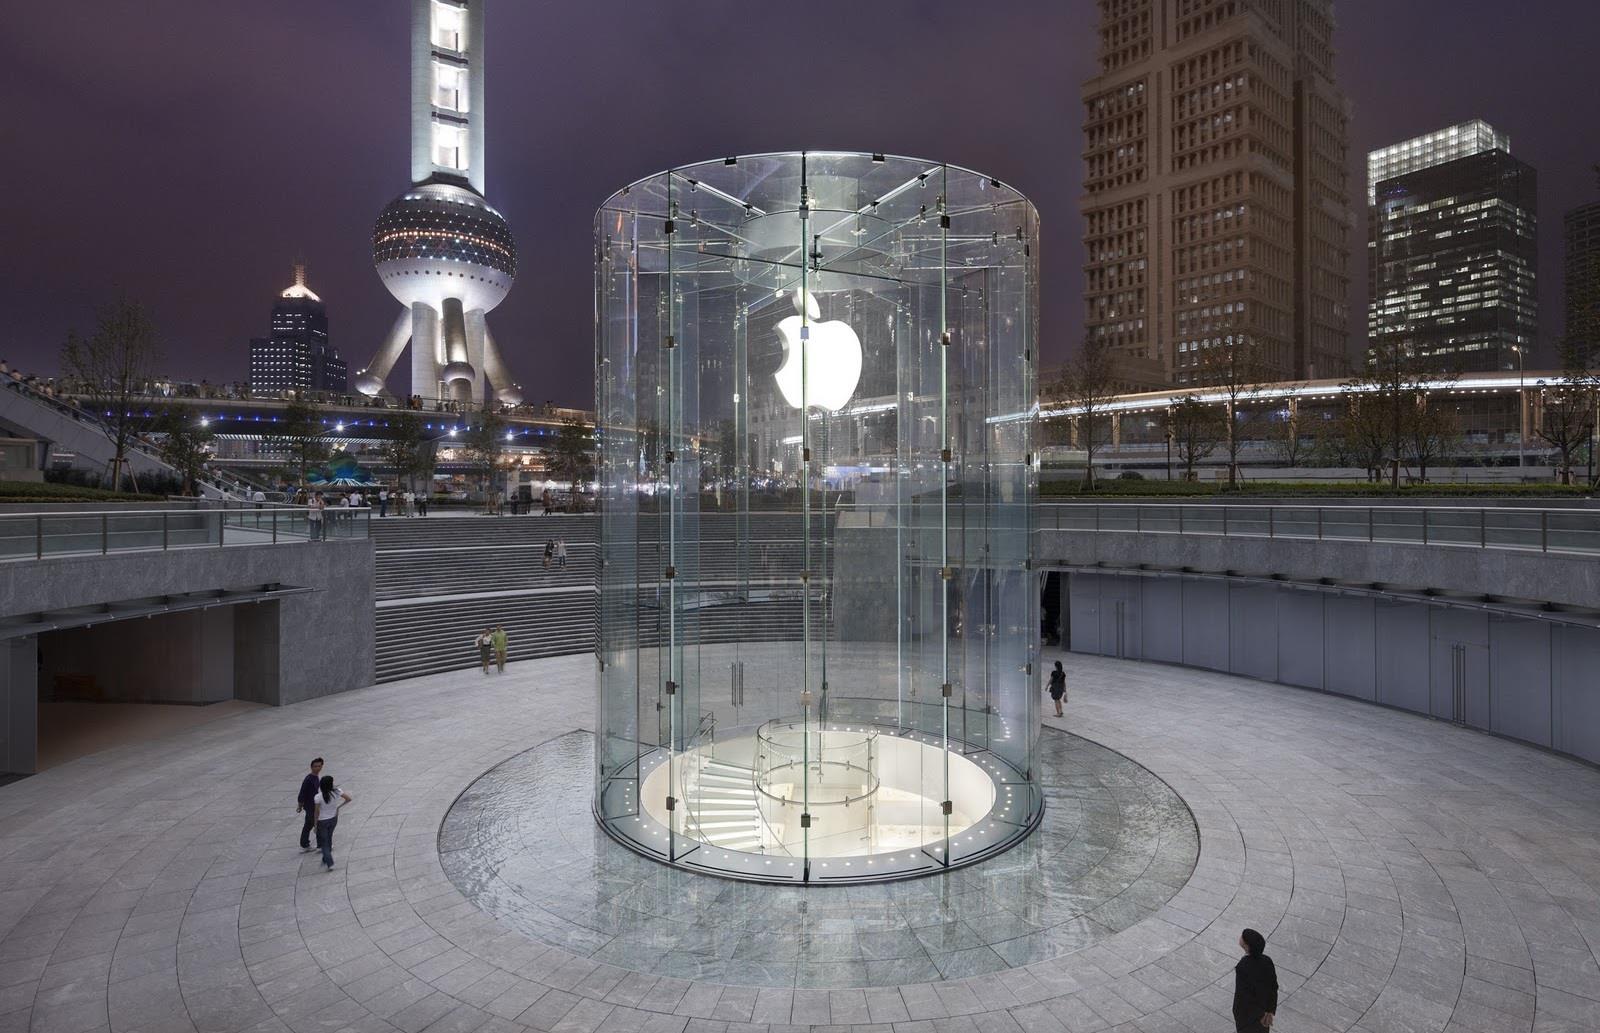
(833, 358)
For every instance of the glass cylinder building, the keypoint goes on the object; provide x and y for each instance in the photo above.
(818, 618)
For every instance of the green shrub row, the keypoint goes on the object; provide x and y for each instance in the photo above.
(35, 491)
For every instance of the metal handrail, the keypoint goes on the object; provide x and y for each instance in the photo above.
(228, 506)
(97, 531)
(1514, 528)
(1312, 503)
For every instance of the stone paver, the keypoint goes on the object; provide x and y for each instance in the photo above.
(1409, 875)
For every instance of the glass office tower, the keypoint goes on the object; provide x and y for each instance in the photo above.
(818, 617)
(1453, 250)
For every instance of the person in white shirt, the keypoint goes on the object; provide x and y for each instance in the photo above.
(314, 507)
(328, 800)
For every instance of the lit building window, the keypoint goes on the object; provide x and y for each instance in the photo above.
(450, 146)
(448, 22)
(449, 87)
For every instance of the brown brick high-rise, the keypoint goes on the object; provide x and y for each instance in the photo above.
(1215, 198)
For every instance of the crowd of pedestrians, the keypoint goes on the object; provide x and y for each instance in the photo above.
(404, 503)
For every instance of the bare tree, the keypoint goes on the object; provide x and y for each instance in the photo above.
(1567, 417)
(484, 449)
(1364, 431)
(1235, 369)
(408, 449)
(185, 446)
(1430, 431)
(1087, 384)
(111, 366)
(571, 457)
(1197, 429)
(1390, 398)
(303, 438)
(1293, 449)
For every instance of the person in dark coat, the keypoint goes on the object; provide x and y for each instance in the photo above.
(1058, 686)
(306, 803)
(1255, 985)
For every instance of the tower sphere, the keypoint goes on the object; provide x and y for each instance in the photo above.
(439, 241)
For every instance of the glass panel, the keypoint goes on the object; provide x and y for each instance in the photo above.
(832, 568)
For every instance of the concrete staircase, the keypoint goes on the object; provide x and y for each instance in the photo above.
(440, 580)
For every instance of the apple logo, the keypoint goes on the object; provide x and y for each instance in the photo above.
(833, 357)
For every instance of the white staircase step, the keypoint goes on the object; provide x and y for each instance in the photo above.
(747, 843)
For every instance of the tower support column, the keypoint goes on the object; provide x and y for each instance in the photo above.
(425, 350)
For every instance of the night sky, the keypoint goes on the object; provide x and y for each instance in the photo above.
(185, 151)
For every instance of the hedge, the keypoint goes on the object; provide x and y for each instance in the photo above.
(46, 492)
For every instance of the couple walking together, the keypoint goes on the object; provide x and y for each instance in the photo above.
(320, 801)
(492, 641)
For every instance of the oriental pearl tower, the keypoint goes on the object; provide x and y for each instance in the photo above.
(440, 248)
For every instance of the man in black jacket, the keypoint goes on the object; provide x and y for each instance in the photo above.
(306, 803)
(1255, 985)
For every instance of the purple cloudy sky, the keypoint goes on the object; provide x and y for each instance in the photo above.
(183, 151)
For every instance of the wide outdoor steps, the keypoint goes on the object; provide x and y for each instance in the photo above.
(439, 581)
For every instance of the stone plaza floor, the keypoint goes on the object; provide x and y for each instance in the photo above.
(1408, 875)
(1114, 845)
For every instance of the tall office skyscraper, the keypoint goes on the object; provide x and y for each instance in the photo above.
(1453, 250)
(1215, 201)
(297, 355)
(440, 248)
(1583, 281)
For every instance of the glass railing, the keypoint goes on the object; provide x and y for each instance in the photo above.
(37, 535)
(1564, 530)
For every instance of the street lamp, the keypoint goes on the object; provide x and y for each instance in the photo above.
(1522, 414)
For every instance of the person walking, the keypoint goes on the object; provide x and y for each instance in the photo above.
(328, 800)
(314, 514)
(549, 552)
(485, 644)
(306, 803)
(422, 503)
(383, 502)
(1255, 985)
(1058, 687)
(561, 553)
(500, 646)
